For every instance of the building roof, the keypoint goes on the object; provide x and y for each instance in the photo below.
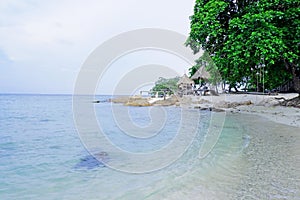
(201, 73)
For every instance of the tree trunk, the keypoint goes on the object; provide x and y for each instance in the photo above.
(295, 74)
(236, 90)
(296, 81)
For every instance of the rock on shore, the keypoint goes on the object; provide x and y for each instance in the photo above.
(138, 101)
(266, 106)
(171, 101)
(121, 99)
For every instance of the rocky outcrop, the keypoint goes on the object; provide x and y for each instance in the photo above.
(224, 104)
(185, 101)
(270, 102)
(138, 101)
(171, 101)
(213, 109)
(121, 99)
(201, 101)
(295, 102)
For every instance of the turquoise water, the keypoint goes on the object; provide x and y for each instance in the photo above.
(42, 156)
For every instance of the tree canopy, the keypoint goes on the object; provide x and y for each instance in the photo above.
(206, 61)
(166, 84)
(254, 41)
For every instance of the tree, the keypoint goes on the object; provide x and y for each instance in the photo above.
(206, 61)
(164, 84)
(247, 38)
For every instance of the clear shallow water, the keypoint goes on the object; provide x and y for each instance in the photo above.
(42, 157)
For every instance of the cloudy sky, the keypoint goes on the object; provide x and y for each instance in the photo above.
(44, 43)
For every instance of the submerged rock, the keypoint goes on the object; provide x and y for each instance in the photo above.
(92, 161)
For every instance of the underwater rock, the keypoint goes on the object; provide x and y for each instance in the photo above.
(92, 161)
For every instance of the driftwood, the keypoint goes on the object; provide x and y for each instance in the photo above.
(280, 98)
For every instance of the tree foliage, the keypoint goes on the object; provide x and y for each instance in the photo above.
(249, 38)
(206, 61)
(166, 84)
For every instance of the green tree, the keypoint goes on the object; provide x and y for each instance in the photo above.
(206, 61)
(164, 84)
(247, 38)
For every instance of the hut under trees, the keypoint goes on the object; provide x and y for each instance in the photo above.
(185, 86)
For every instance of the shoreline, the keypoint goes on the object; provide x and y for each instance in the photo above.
(279, 114)
(266, 106)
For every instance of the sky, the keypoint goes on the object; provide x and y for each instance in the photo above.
(45, 43)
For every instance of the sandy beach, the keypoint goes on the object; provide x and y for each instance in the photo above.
(256, 156)
(267, 106)
(262, 105)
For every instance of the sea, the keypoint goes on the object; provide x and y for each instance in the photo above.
(48, 151)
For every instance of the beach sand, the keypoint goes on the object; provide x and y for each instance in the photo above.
(256, 156)
(267, 106)
(262, 105)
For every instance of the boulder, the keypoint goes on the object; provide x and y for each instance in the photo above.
(217, 110)
(270, 102)
(224, 104)
(295, 102)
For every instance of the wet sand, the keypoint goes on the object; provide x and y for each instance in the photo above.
(256, 157)
(267, 167)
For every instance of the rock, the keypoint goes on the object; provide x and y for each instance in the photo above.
(217, 110)
(236, 104)
(224, 104)
(272, 103)
(122, 100)
(186, 100)
(172, 100)
(92, 161)
(245, 103)
(269, 102)
(201, 101)
(204, 108)
(212, 109)
(138, 101)
(295, 102)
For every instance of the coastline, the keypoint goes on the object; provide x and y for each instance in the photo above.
(262, 105)
(270, 139)
(266, 106)
(279, 114)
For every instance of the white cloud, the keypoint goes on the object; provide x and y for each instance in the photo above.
(57, 33)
